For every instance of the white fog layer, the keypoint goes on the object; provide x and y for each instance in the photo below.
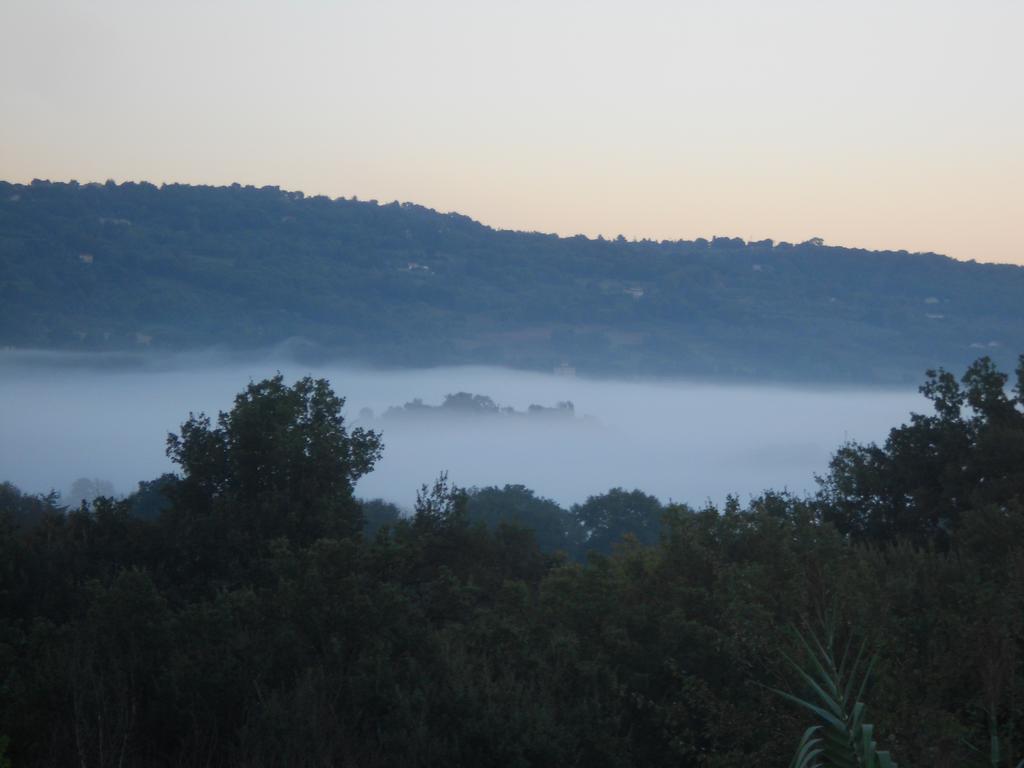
(680, 441)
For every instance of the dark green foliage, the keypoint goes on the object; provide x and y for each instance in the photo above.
(153, 496)
(932, 472)
(603, 520)
(244, 628)
(24, 510)
(377, 514)
(280, 463)
(135, 266)
(552, 526)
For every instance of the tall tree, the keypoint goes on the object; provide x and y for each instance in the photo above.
(932, 472)
(280, 463)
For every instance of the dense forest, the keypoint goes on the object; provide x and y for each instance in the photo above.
(250, 611)
(140, 267)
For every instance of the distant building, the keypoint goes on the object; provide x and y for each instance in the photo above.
(565, 370)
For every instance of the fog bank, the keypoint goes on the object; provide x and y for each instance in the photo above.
(681, 441)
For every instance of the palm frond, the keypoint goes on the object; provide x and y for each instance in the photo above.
(808, 752)
(841, 739)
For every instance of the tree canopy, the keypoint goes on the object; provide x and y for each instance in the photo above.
(144, 268)
(930, 473)
(246, 620)
(280, 463)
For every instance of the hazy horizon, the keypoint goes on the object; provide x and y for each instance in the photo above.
(679, 440)
(884, 127)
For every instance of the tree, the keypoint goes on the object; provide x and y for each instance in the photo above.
(22, 510)
(378, 513)
(280, 463)
(606, 518)
(152, 497)
(86, 489)
(465, 402)
(517, 504)
(932, 472)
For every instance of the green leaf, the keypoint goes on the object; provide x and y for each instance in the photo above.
(808, 750)
(842, 739)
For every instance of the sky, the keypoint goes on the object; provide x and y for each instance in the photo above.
(887, 125)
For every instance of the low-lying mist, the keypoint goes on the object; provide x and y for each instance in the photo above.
(67, 418)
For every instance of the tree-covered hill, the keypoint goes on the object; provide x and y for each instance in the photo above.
(139, 267)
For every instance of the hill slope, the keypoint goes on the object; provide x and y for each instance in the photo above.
(136, 266)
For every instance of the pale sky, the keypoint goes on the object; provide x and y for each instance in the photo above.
(877, 124)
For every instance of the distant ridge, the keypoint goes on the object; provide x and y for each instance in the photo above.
(139, 267)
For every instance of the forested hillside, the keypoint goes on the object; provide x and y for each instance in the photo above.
(140, 267)
(260, 615)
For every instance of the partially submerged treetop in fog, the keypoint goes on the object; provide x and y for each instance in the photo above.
(467, 404)
(280, 463)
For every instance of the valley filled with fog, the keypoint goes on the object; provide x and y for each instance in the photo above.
(66, 418)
